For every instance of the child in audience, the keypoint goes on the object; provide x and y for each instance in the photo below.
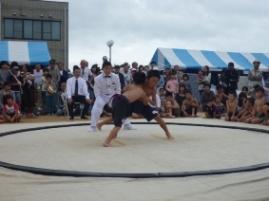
(258, 115)
(219, 109)
(246, 110)
(2, 119)
(180, 96)
(221, 95)
(168, 109)
(11, 110)
(62, 100)
(231, 106)
(242, 98)
(208, 101)
(189, 106)
(50, 95)
(175, 107)
(186, 82)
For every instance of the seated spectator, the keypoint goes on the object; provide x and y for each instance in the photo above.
(209, 108)
(219, 109)
(168, 109)
(221, 95)
(170, 103)
(258, 115)
(11, 111)
(2, 119)
(51, 94)
(231, 107)
(172, 85)
(6, 91)
(189, 106)
(207, 97)
(246, 111)
(242, 98)
(62, 106)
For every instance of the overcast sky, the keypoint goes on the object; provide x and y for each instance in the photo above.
(138, 27)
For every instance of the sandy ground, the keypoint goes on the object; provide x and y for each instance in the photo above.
(145, 149)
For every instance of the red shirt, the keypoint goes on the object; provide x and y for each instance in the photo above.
(13, 109)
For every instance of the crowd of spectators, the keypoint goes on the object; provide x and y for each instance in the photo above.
(30, 91)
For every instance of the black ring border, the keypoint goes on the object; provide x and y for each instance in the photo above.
(69, 173)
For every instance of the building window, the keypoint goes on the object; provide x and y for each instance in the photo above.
(37, 30)
(32, 29)
(17, 25)
(56, 31)
(8, 28)
(28, 29)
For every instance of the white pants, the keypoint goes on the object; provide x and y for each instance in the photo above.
(98, 107)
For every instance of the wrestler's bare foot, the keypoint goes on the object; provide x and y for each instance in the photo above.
(169, 136)
(99, 126)
(105, 144)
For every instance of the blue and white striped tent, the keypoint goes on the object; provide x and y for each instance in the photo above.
(24, 52)
(165, 57)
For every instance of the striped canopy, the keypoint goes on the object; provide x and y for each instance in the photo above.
(24, 52)
(165, 57)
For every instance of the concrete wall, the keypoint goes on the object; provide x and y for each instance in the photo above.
(41, 10)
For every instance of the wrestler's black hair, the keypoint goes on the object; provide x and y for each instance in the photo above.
(153, 73)
(139, 78)
(259, 89)
(106, 63)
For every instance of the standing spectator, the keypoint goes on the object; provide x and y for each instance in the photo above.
(200, 79)
(106, 85)
(85, 71)
(77, 91)
(186, 82)
(127, 74)
(15, 81)
(206, 74)
(179, 72)
(28, 96)
(181, 95)
(231, 78)
(172, 85)
(38, 73)
(44, 90)
(11, 111)
(135, 65)
(121, 77)
(63, 73)
(50, 95)
(254, 76)
(4, 73)
(54, 72)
